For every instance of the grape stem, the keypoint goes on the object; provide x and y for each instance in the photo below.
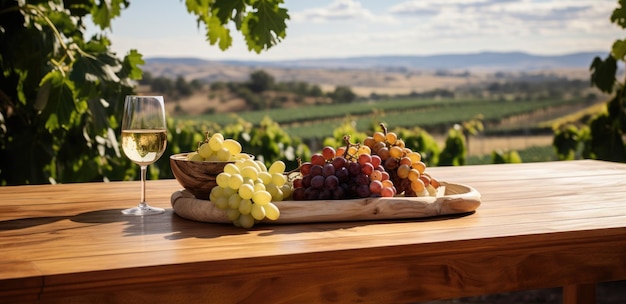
(346, 155)
(384, 128)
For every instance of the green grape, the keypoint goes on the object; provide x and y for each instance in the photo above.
(277, 194)
(271, 211)
(216, 142)
(277, 167)
(278, 179)
(231, 169)
(266, 177)
(216, 193)
(213, 158)
(257, 212)
(246, 191)
(246, 187)
(205, 150)
(221, 202)
(222, 179)
(250, 172)
(261, 197)
(241, 156)
(261, 166)
(246, 220)
(228, 191)
(233, 201)
(218, 135)
(287, 190)
(245, 206)
(194, 156)
(233, 214)
(232, 145)
(223, 154)
(235, 181)
(259, 187)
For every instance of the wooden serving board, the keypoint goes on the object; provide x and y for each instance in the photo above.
(452, 199)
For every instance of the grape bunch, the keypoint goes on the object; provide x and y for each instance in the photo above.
(217, 148)
(405, 167)
(381, 166)
(246, 189)
(342, 174)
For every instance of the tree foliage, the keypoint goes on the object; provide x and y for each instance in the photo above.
(604, 136)
(61, 92)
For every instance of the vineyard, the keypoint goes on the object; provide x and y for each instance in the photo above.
(317, 122)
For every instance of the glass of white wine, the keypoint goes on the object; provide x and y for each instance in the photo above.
(144, 138)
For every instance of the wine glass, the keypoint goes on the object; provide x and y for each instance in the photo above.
(144, 137)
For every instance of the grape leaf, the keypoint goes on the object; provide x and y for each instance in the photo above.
(266, 26)
(87, 70)
(619, 49)
(223, 9)
(58, 110)
(106, 11)
(603, 73)
(217, 32)
(130, 66)
(619, 14)
(198, 7)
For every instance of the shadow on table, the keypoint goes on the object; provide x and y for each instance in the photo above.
(174, 227)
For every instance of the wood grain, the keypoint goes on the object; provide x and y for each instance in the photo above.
(539, 225)
(455, 199)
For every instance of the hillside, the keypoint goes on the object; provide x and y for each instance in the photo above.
(383, 74)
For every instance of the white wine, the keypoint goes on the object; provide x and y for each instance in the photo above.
(144, 147)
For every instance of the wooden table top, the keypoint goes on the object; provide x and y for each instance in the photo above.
(539, 225)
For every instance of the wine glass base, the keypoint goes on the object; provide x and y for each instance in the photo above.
(143, 210)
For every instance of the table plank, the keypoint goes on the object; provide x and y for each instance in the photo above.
(71, 239)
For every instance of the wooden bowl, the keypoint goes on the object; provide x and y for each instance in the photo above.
(196, 177)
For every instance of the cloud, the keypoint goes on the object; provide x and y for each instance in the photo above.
(338, 10)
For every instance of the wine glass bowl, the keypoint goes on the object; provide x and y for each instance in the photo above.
(144, 138)
(197, 177)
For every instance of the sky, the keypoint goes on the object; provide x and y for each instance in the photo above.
(348, 28)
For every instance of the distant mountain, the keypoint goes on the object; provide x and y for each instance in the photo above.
(516, 61)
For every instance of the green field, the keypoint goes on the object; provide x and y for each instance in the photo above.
(313, 122)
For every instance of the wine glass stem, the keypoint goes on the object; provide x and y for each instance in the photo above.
(142, 203)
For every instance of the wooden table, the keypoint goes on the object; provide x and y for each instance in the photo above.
(540, 225)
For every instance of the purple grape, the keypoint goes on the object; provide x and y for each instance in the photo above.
(339, 162)
(306, 181)
(298, 194)
(316, 170)
(362, 179)
(317, 182)
(342, 174)
(363, 191)
(311, 194)
(325, 194)
(354, 168)
(339, 193)
(331, 182)
(328, 170)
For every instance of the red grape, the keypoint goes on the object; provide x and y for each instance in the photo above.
(318, 159)
(376, 186)
(305, 168)
(339, 162)
(367, 168)
(364, 159)
(376, 161)
(329, 152)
